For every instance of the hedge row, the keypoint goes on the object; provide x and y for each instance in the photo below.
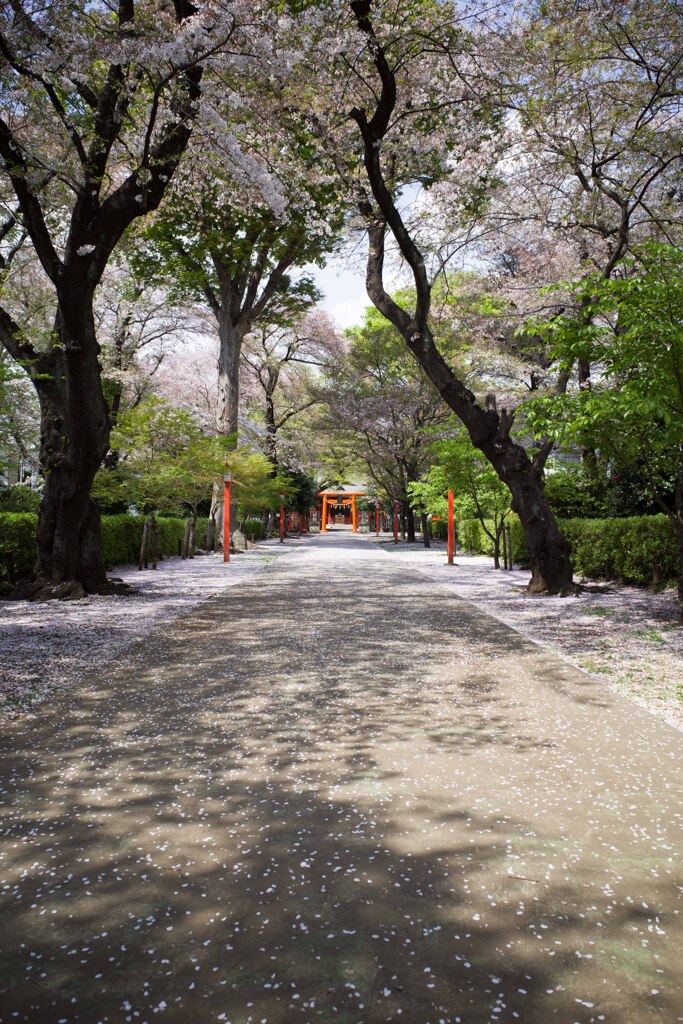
(639, 549)
(121, 539)
(472, 537)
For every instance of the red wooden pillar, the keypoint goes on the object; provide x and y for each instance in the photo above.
(227, 480)
(451, 529)
(282, 518)
(395, 521)
(323, 525)
(377, 521)
(354, 515)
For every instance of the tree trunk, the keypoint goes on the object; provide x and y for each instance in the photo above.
(230, 336)
(185, 548)
(74, 440)
(410, 521)
(679, 541)
(489, 430)
(496, 548)
(271, 432)
(426, 540)
(144, 546)
(678, 529)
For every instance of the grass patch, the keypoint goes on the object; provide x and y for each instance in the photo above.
(597, 609)
(649, 634)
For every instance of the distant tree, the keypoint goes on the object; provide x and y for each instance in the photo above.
(281, 365)
(379, 400)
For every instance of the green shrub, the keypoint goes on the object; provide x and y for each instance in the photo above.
(121, 539)
(201, 526)
(638, 549)
(19, 498)
(438, 528)
(473, 538)
(17, 542)
(574, 494)
(253, 529)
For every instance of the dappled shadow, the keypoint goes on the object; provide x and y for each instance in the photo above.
(338, 797)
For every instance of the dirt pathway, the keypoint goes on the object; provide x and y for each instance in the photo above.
(339, 793)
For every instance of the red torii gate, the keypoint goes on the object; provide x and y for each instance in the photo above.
(339, 496)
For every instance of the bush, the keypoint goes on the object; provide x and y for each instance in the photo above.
(17, 543)
(573, 494)
(121, 539)
(19, 498)
(438, 528)
(640, 549)
(253, 529)
(473, 538)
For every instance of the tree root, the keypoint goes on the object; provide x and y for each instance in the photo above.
(69, 590)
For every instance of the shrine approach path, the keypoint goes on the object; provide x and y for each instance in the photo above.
(339, 793)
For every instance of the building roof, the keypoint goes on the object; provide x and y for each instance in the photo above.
(347, 489)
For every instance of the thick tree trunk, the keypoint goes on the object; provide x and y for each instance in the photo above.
(678, 528)
(74, 440)
(679, 541)
(489, 431)
(230, 336)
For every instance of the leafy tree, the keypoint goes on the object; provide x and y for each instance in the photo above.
(402, 78)
(215, 245)
(634, 411)
(386, 409)
(98, 102)
(165, 462)
(279, 365)
(478, 491)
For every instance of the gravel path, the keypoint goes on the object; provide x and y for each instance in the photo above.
(337, 792)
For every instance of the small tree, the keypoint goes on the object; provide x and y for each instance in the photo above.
(478, 491)
(634, 411)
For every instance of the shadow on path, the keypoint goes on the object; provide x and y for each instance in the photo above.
(337, 793)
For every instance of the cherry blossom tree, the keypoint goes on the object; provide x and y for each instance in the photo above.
(281, 367)
(399, 89)
(98, 104)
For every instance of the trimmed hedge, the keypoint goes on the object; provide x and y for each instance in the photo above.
(639, 549)
(474, 539)
(121, 539)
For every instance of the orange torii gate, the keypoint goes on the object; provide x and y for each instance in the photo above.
(339, 497)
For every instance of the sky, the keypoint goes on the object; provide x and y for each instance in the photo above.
(344, 290)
